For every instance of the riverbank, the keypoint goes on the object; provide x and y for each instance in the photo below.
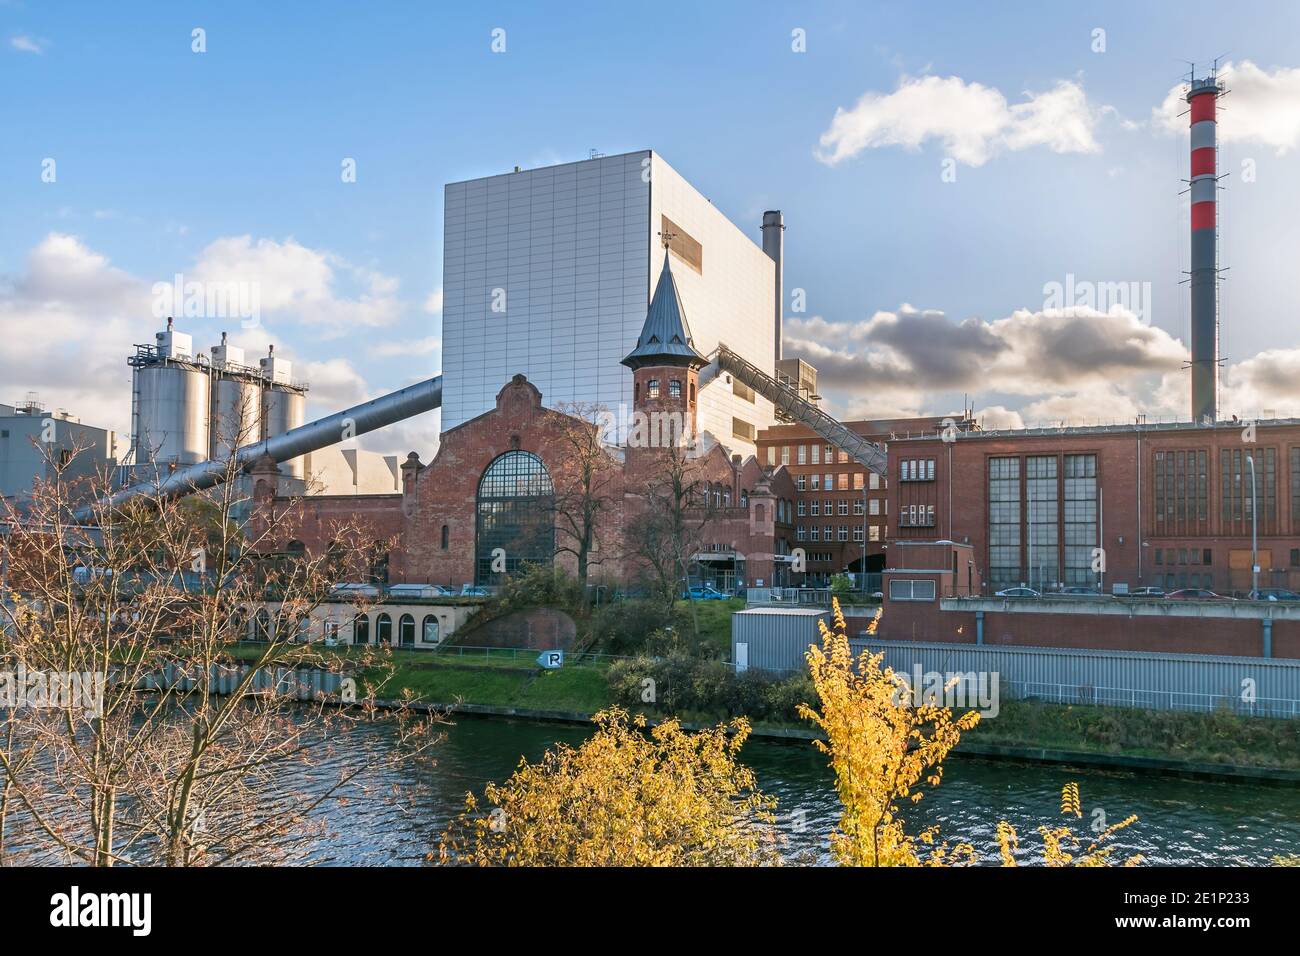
(1222, 744)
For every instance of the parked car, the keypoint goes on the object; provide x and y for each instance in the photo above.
(705, 592)
(1274, 594)
(1078, 590)
(1147, 592)
(1195, 594)
(1018, 593)
(473, 590)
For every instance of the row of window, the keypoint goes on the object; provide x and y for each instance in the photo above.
(916, 516)
(845, 480)
(653, 389)
(1184, 556)
(260, 629)
(835, 533)
(816, 507)
(916, 469)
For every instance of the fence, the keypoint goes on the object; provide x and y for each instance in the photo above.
(1245, 685)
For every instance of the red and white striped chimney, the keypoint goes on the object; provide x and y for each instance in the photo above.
(1202, 99)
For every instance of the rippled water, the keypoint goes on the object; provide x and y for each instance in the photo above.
(1180, 821)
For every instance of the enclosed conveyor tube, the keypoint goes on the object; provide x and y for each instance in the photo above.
(349, 423)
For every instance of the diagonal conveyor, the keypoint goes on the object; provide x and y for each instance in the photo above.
(869, 454)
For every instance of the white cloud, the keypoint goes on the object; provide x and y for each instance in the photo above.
(1263, 383)
(433, 304)
(28, 44)
(973, 122)
(395, 348)
(1262, 108)
(334, 384)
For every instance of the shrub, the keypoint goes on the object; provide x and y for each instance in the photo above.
(626, 627)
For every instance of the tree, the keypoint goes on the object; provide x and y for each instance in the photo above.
(588, 486)
(670, 526)
(625, 797)
(138, 615)
(884, 746)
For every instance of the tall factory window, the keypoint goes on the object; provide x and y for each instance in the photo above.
(1080, 518)
(1181, 491)
(515, 501)
(1042, 512)
(1004, 522)
(1237, 504)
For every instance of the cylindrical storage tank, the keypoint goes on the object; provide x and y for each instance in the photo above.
(284, 409)
(236, 414)
(172, 415)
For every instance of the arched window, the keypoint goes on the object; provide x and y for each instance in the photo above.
(262, 625)
(429, 634)
(744, 497)
(446, 536)
(717, 496)
(674, 388)
(406, 630)
(361, 629)
(652, 388)
(726, 497)
(384, 629)
(692, 393)
(515, 520)
(295, 549)
(378, 564)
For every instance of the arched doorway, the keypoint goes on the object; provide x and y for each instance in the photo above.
(515, 517)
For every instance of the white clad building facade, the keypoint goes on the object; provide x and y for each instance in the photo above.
(549, 272)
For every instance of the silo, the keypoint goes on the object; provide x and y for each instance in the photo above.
(171, 403)
(236, 417)
(283, 405)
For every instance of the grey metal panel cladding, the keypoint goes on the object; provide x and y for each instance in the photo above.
(172, 414)
(1161, 677)
(777, 642)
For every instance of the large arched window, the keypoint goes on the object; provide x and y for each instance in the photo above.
(384, 629)
(361, 629)
(430, 635)
(406, 630)
(516, 524)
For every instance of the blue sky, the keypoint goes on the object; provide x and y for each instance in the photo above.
(167, 159)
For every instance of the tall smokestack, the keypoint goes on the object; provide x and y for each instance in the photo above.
(774, 246)
(1203, 98)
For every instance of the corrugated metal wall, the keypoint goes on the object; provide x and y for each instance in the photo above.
(777, 641)
(1118, 678)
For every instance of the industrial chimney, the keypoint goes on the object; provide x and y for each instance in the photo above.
(1202, 99)
(774, 246)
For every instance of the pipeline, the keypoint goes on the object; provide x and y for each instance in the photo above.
(358, 420)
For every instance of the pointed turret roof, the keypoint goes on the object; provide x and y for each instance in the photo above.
(666, 337)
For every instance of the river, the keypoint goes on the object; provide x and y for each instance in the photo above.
(1180, 821)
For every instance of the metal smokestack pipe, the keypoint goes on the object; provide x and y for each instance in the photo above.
(1202, 99)
(774, 246)
(366, 417)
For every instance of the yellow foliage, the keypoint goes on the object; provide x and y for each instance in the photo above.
(625, 797)
(1062, 846)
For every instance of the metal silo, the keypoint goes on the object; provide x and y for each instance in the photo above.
(170, 418)
(236, 417)
(284, 405)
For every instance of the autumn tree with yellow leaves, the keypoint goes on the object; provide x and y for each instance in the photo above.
(884, 747)
(630, 795)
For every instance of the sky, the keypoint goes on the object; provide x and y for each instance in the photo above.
(946, 171)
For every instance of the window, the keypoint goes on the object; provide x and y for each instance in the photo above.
(875, 506)
(844, 507)
(816, 507)
(875, 532)
(830, 483)
(816, 482)
(800, 533)
(446, 537)
(771, 454)
(829, 532)
(801, 482)
(1005, 569)
(1160, 555)
(857, 481)
(873, 481)
(857, 535)
(816, 454)
(384, 629)
(742, 429)
(652, 388)
(843, 533)
(674, 388)
(361, 629)
(262, 625)
(429, 632)
(1080, 518)
(741, 390)
(858, 507)
(406, 630)
(815, 533)
(803, 454)
(803, 508)
(914, 590)
(785, 454)
(515, 501)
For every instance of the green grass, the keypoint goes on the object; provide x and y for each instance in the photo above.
(714, 619)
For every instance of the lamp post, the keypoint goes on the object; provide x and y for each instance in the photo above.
(1254, 529)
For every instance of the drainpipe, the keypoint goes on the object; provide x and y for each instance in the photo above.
(979, 628)
(1268, 637)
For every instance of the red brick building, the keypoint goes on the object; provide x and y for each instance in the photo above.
(523, 483)
(1166, 505)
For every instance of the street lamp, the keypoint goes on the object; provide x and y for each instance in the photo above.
(1254, 529)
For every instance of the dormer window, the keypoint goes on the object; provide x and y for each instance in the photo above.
(674, 388)
(652, 388)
